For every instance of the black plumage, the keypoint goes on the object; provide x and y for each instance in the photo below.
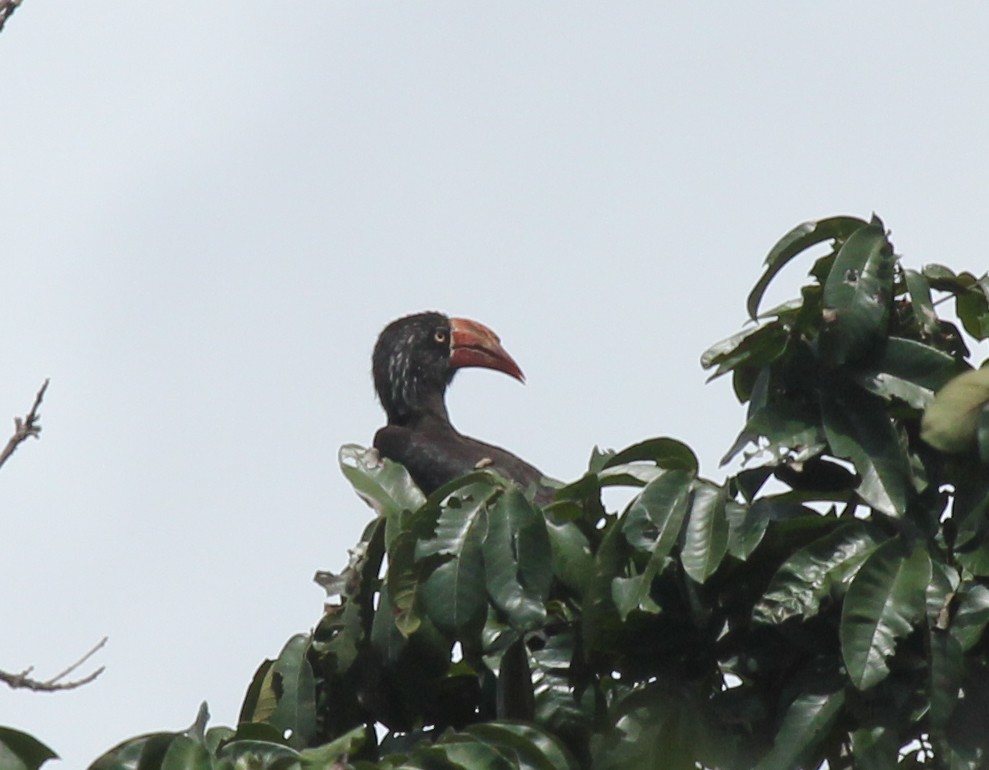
(414, 361)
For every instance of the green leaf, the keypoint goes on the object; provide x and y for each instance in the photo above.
(253, 754)
(666, 453)
(858, 429)
(20, 751)
(323, 757)
(286, 696)
(185, 753)
(910, 371)
(973, 309)
(527, 746)
(951, 422)
(801, 237)
(454, 595)
(970, 618)
(946, 674)
(517, 560)
(808, 720)
(883, 603)
(653, 520)
(858, 295)
(751, 348)
(823, 569)
(384, 485)
(706, 539)
(920, 302)
(573, 560)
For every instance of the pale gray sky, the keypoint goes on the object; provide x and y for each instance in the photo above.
(209, 211)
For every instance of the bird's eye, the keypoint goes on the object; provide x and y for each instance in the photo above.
(440, 335)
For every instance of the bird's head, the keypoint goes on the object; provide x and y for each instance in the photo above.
(416, 357)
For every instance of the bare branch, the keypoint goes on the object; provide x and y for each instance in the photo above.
(23, 680)
(30, 425)
(7, 8)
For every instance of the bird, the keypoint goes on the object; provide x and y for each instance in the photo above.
(414, 361)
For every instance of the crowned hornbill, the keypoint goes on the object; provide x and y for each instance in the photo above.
(414, 361)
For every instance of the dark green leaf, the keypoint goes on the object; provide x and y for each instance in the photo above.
(517, 559)
(883, 603)
(801, 237)
(859, 429)
(706, 539)
(816, 572)
(858, 295)
(323, 757)
(573, 561)
(910, 371)
(20, 751)
(287, 695)
(528, 746)
(808, 720)
(654, 518)
(747, 525)
(454, 596)
(258, 754)
(666, 453)
(947, 670)
(920, 302)
(969, 621)
(186, 754)
(973, 309)
(752, 348)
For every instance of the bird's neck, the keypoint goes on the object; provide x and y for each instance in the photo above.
(429, 410)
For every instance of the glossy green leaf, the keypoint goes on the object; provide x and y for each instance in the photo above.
(528, 747)
(20, 751)
(910, 371)
(517, 559)
(573, 560)
(816, 572)
(972, 308)
(747, 525)
(755, 347)
(144, 752)
(947, 668)
(323, 757)
(266, 755)
(455, 595)
(185, 753)
(920, 302)
(884, 601)
(968, 624)
(808, 719)
(653, 520)
(666, 453)
(384, 485)
(858, 429)
(858, 295)
(800, 238)
(706, 537)
(286, 696)
(951, 422)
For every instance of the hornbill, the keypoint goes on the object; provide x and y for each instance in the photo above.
(414, 360)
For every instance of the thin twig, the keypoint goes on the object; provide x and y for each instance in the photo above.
(7, 8)
(24, 681)
(30, 425)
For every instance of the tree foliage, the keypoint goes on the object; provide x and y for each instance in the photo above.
(826, 603)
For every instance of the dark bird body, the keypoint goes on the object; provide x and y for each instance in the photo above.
(414, 361)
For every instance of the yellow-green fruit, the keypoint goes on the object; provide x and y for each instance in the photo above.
(951, 420)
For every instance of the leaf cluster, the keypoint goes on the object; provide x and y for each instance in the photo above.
(827, 603)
